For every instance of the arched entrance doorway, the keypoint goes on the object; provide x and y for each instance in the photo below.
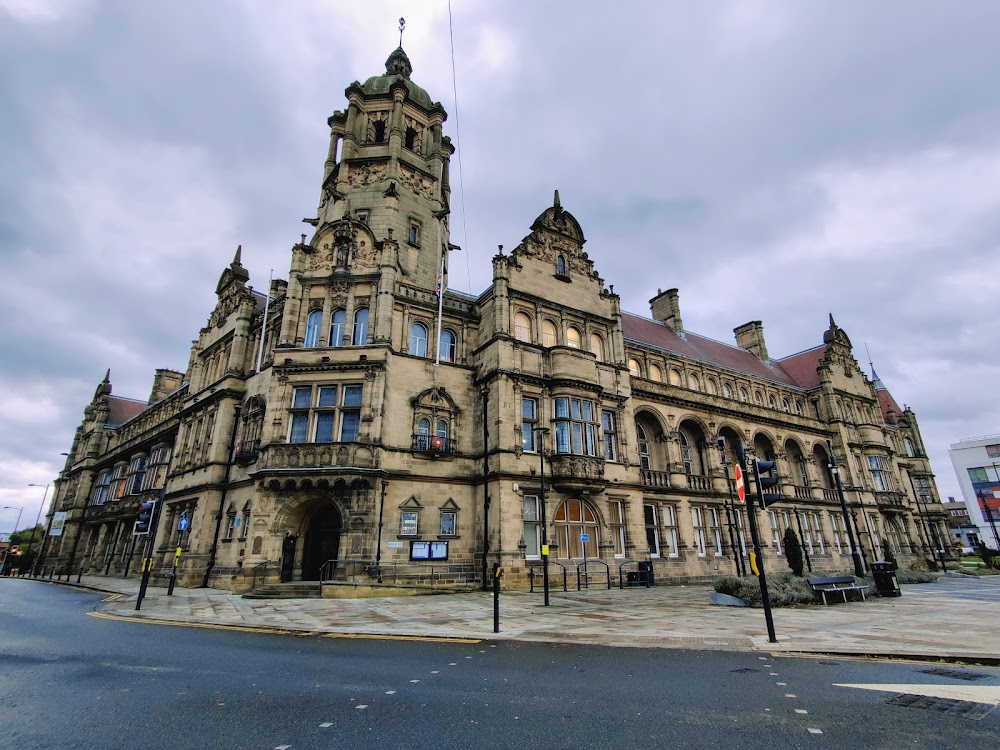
(322, 541)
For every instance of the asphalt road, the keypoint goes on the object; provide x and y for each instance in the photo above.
(71, 680)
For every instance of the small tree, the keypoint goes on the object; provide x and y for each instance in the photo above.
(986, 553)
(793, 551)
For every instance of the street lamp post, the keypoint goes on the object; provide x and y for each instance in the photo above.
(541, 432)
(485, 393)
(38, 517)
(16, 524)
(859, 570)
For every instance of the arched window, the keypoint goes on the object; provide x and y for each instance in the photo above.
(772, 402)
(423, 434)
(378, 131)
(447, 347)
(313, 324)
(522, 327)
(572, 520)
(711, 386)
(694, 383)
(634, 368)
(744, 396)
(361, 326)
(418, 340)
(573, 338)
(410, 139)
(337, 325)
(727, 390)
(798, 407)
(758, 398)
(597, 346)
(442, 429)
(686, 454)
(908, 447)
(655, 373)
(561, 265)
(549, 333)
(675, 376)
(643, 446)
(786, 405)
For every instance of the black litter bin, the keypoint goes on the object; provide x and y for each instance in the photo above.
(884, 573)
(646, 573)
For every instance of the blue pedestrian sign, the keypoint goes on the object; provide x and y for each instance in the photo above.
(584, 537)
(183, 523)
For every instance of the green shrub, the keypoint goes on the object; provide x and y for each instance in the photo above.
(793, 551)
(784, 589)
(909, 575)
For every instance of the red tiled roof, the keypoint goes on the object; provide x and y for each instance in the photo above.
(887, 402)
(122, 410)
(693, 346)
(802, 366)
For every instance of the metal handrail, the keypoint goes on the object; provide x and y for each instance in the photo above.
(586, 574)
(260, 568)
(366, 570)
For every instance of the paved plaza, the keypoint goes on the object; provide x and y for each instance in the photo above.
(953, 619)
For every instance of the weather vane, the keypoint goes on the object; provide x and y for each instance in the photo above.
(402, 25)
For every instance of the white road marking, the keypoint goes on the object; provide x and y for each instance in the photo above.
(326, 724)
(362, 705)
(790, 695)
(801, 711)
(414, 680)
(781, 683)
(390, 692)
(813, 730)
(988, 694)
(773, 674)
(453, 664)
(282, 747)
(435, 671)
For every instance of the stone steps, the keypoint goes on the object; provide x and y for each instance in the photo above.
(291, 590)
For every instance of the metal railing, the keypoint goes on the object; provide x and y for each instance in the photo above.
(640, 573)
(583, 573)
(433, 444)
(406, 571)
(535, 571)
(259, 570)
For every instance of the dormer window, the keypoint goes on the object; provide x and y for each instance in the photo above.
(561, 265)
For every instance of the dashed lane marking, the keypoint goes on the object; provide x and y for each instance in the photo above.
(362, 706)
(814, 730)
(801, 711)
(326, 724)
(390, 692)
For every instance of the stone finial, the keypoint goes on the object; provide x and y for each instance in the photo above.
(555, 200)
(398, 64)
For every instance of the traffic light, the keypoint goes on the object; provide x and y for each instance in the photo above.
(15, 550)
(144, 520)
(765, 483)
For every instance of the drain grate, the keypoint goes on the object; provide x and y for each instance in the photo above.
(745, 670)
(956, 674)
(949, 706)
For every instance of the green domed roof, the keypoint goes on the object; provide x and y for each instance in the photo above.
(397, 70)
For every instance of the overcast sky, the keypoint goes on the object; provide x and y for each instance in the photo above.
(773, 160)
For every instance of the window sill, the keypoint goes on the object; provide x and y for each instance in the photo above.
(227, 541)
(449, 536)
(415, 537)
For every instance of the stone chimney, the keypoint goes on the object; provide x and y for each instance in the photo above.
(750, 336)
(667, 309)
(164, 382)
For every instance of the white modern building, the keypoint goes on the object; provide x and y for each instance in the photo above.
(977, 466)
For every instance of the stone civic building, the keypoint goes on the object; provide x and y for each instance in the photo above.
(354, 416)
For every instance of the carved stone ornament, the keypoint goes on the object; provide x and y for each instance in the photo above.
(368, 173)
(418, 183)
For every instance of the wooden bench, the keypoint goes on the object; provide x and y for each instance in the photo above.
(842, 584)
